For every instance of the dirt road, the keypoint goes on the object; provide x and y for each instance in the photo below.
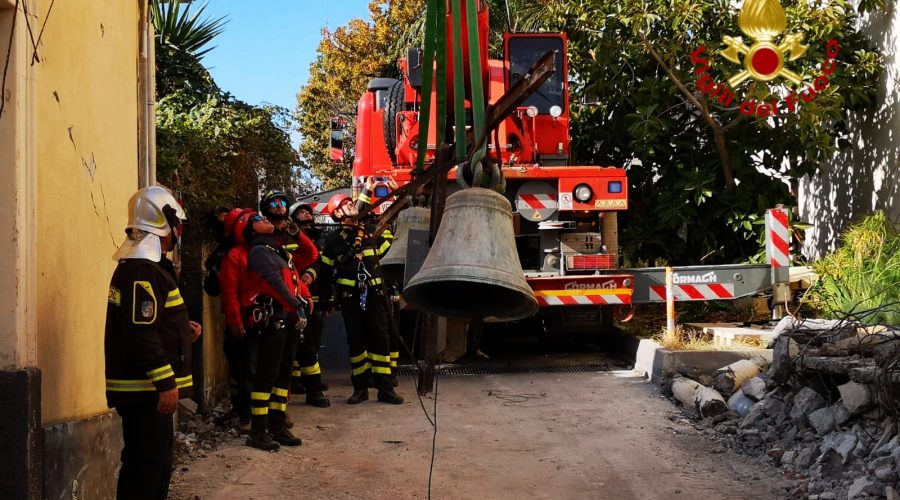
(602, 435)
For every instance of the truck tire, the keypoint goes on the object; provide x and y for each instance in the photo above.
(393, 105)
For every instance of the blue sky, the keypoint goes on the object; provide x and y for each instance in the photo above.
(265, 51)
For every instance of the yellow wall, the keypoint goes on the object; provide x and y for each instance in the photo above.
(87, 169)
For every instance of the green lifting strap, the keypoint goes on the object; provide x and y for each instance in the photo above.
(441, 87)
(478, 118)
(459, 84)
(431, 14)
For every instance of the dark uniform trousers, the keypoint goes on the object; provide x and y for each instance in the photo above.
(238, 352)
(271, 354)
(306, 364)
(394, 318)
(147, 455)
(368, 334)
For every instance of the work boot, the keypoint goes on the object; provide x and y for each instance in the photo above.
(279, 431)
(317, 399)
(323, 387)
(389, 396)
(359, 395)
(259, 434)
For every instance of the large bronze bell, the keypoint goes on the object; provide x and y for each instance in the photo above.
(394, 261)
(472, 269)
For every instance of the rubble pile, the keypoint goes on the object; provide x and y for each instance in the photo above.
(825, 409)
(198, 434)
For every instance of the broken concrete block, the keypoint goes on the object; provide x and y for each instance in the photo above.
(895, 454)
(806, 456)
(754, 388)
(704, 399)
(825, 420)
(783, 353)
(755, 417)
(828, 495)
(855, 397)
(886, 434)
(740, 403)
(842, 443)
(885, 473)
(863, 487)
(729, 378)
(806, 402)
(891, 493)
(788, 457)
(887, 448)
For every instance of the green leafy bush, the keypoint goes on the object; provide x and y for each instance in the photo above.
(862, 278)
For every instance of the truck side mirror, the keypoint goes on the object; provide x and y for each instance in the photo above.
(337, 138)
(414, 67)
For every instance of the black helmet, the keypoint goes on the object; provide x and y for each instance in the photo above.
(297, 206)
(269, 197)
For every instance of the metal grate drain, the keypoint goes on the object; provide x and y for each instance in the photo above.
(409, 371)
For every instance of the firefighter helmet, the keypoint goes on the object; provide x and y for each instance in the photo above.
(232, 217)
(244, 221)
(153, 209)
(298, 206)
(152, 213)
(269, 197)
(336, 201)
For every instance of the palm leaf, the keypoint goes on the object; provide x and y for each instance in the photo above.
(184, 28)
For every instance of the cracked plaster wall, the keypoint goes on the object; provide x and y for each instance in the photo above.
(87, 148)
(866, 177)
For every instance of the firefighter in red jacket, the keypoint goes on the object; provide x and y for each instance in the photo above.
(231, 271)
(350, 265)
(147, 343)
(307, 374)
(276, 303)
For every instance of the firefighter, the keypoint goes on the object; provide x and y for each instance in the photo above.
(237, 350)
(147, 343)
(307, 375)
(276, 303)
(350, 270)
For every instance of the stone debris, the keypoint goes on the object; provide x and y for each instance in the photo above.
(823, 409)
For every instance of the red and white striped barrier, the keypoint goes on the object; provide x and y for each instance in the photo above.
(537, 201)
(546, 298)
(712, 291)
(318, 207)
(778, 238)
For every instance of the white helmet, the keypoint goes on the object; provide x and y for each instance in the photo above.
(153, 209)
(153, 212)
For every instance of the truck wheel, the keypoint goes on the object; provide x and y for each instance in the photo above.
(393, 105)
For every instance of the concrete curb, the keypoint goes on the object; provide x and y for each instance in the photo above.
(660, 365)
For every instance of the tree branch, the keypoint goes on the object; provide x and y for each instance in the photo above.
(718, 131)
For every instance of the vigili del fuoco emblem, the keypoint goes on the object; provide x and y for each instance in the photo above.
(763, 21)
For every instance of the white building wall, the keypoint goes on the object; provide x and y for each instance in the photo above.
(866, 177)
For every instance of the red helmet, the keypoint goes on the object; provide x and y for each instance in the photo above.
(240, 225)
(230, 218)
(336, 201)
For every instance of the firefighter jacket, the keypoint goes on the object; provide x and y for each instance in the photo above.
(304, 252)
(233, 269)
(313, 234)
(148, 334)
(350, 257)
(271, 274)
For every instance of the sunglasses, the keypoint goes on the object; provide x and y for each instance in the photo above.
(277, 203)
